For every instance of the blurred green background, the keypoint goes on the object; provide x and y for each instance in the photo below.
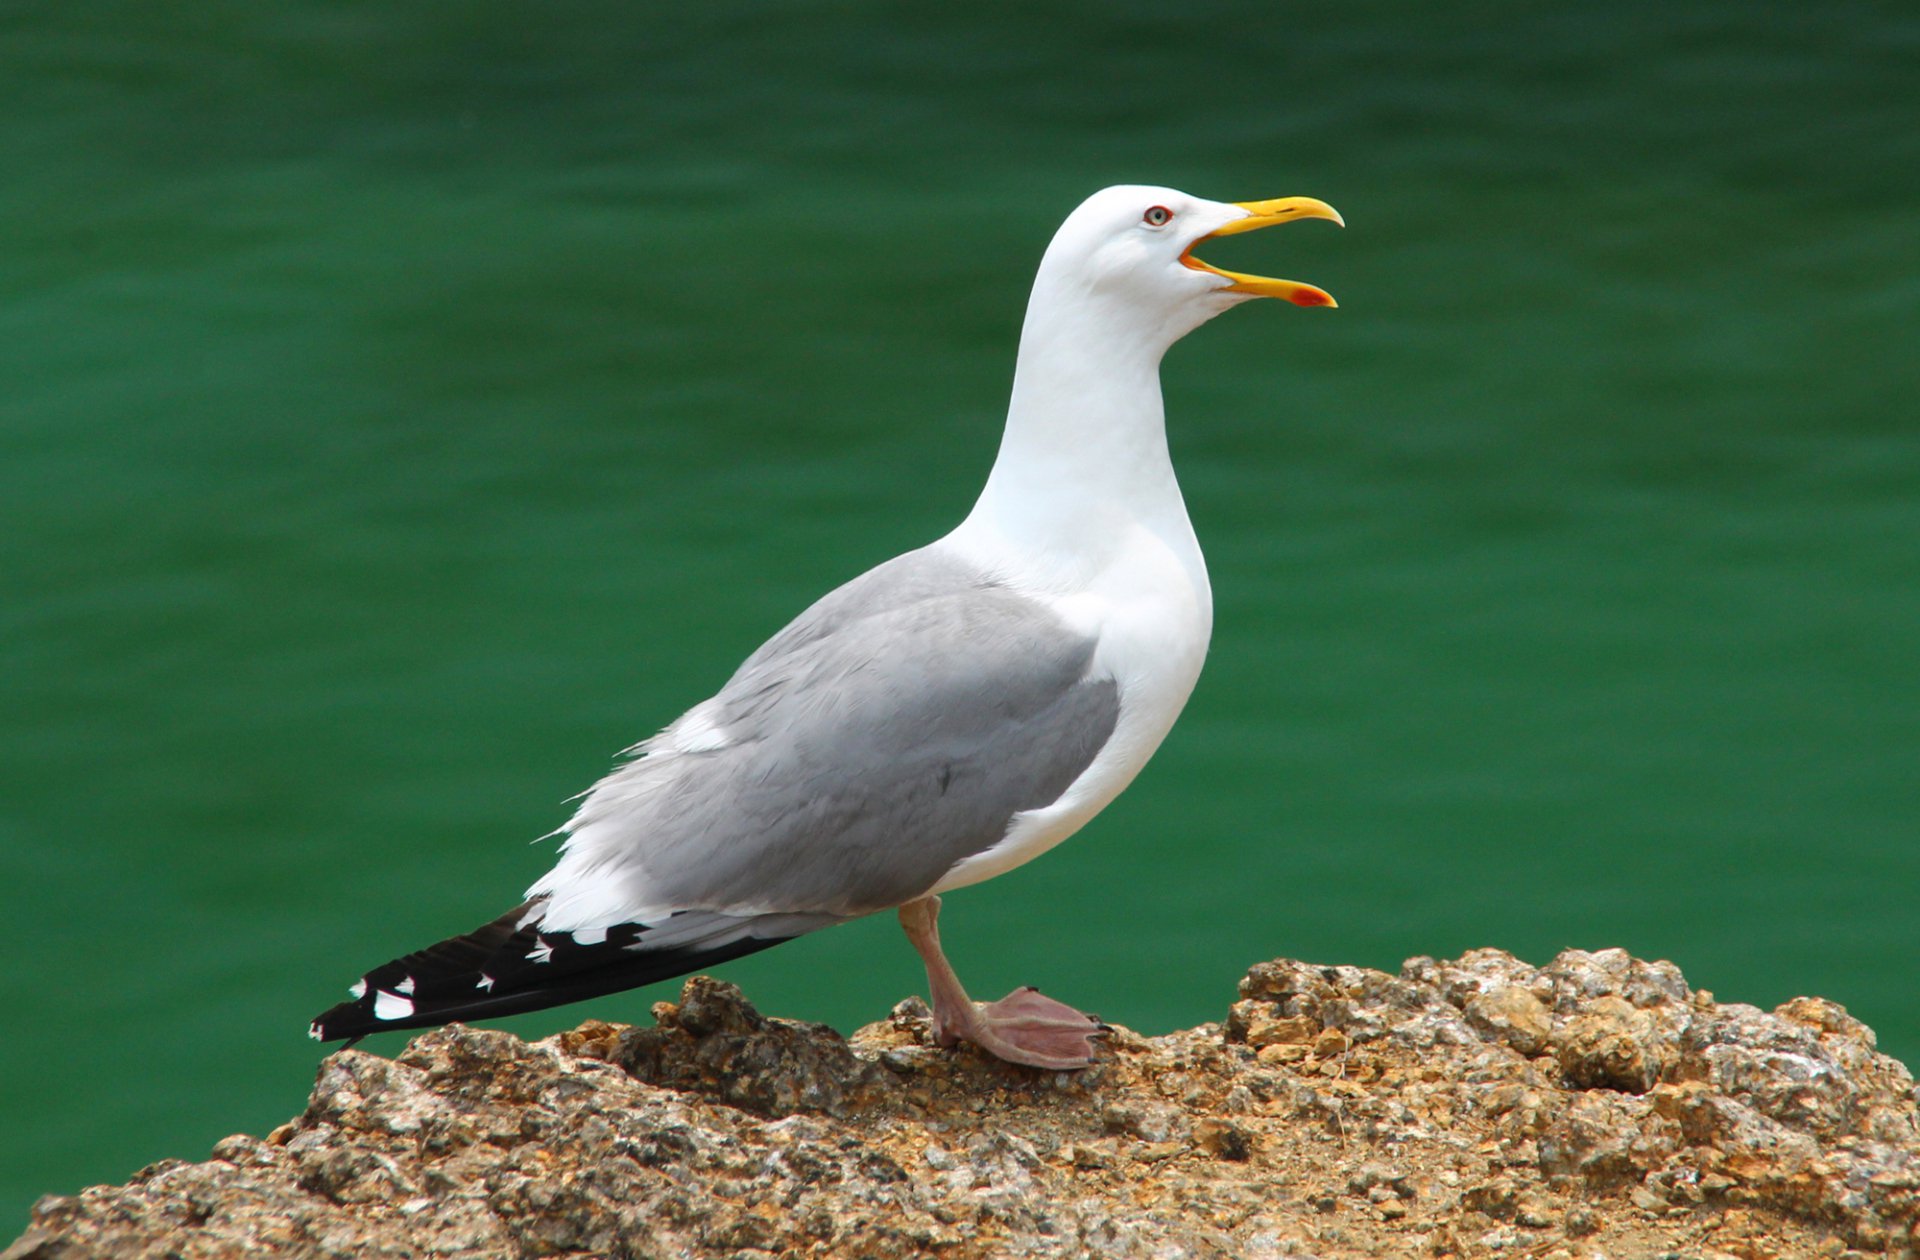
(405, 408)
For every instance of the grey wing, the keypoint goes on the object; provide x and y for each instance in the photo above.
(892, 730)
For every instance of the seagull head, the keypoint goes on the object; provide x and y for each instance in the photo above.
(1133, 246)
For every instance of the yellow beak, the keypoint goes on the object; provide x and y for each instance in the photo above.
(1265, 214)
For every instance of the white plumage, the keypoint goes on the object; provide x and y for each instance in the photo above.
(937, 721)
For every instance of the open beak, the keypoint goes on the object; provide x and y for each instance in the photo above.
(1265, 214)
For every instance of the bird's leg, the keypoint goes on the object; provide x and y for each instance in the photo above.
(1022, 1027)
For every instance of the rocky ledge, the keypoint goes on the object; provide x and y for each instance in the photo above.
(1596, 1106)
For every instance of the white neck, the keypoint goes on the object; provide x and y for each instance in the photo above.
(1083, 462)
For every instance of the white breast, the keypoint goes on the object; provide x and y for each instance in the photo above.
(1151, 609)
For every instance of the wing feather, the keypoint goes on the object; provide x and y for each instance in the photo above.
(892, 730)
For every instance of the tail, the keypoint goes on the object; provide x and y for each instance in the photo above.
(510, 966)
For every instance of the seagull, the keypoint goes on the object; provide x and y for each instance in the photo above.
(939, 720)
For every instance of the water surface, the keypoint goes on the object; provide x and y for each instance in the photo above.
(404, 411)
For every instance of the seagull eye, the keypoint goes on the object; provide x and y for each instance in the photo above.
(1157, 216)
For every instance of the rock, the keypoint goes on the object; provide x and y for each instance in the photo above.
(1223, 1139)
(1612, 1044)
(1513, 1015)
(1594, 1106)
(714, 1042)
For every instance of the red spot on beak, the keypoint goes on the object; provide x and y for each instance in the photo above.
(1310, 297)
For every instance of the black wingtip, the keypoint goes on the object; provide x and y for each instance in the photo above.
(505, 968)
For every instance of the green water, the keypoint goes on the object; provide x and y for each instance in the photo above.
(404, 408)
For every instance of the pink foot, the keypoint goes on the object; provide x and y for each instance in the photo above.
(1022, 1027)
(1028, 1027)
